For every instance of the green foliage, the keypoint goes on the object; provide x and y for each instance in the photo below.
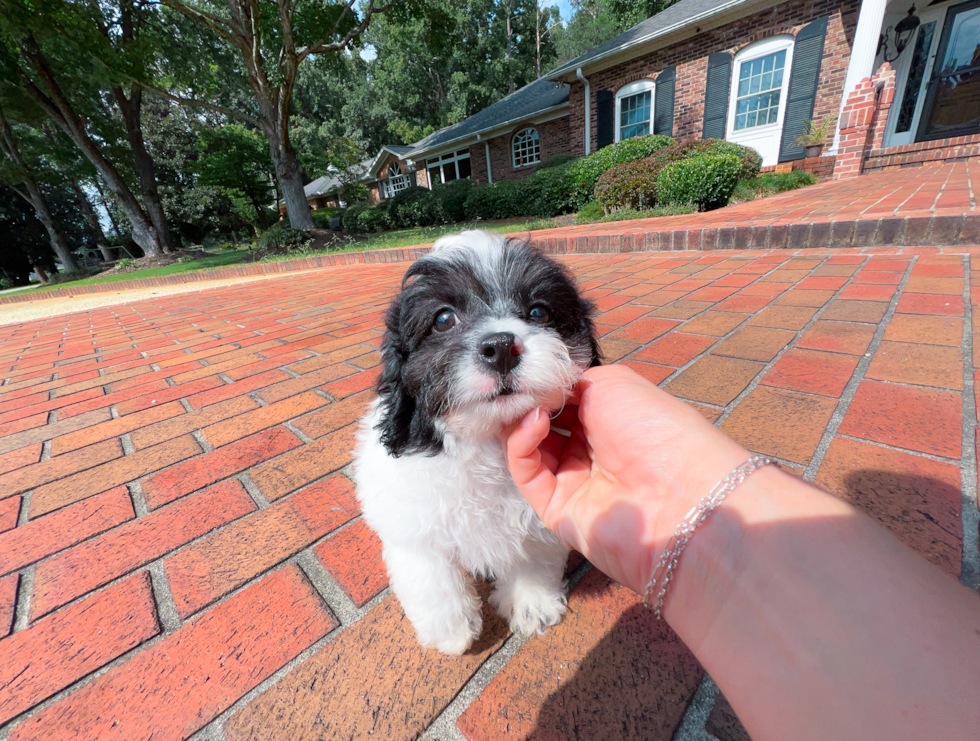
(448, 204)
(500, 200)
(322, 216)
(631, 185)
(352, 215)
(706, 181)
(770, 184)
(281, 237)
(751, 159)
(629, 214)
(556, 160)
(126, 262)
(593, 23)
(548, 189)
(814, 133)
(586, 171)
(380, 217)
(235, 158)
(409, 207)
(591, 211)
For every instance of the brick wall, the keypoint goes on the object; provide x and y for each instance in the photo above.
(554, 139)
(691, 59)
(915, 155)
(862, 121)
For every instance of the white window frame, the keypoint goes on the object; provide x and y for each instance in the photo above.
(764, 139)
(628, 91)
(525, 147)
(396, 180)
(442, 161)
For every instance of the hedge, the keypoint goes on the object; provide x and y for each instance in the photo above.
(633, 185)
(449, 200)
(706, 181)
(585, 172)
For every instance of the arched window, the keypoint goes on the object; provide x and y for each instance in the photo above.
(527, 147)
(395, 181)
(634, 109)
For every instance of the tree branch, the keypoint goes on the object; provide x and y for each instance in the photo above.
(197, 103)
(210, 20)
(321, 47)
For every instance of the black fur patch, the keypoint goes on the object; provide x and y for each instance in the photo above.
(415, 382)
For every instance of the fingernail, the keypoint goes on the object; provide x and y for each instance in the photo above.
(531, 419)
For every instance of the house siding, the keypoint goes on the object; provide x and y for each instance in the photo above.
(691, 60)
(554, 138)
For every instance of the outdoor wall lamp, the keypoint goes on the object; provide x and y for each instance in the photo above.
(902, 32)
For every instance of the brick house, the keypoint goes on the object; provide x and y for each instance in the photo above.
(901, 82)
(755, 71)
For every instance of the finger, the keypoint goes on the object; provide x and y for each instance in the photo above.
(565, 418)
(535, 479)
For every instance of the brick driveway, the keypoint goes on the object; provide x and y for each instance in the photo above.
(181, 553)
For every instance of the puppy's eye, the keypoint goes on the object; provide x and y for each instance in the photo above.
(539, 315)
(445, 320)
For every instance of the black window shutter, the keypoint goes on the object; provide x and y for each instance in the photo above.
(413, 179)
(605, 118)
(716, 95)
(663, 109)
(807, 53)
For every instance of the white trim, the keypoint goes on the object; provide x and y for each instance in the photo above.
(442, 160)
(588, 110)
(628, 91)
(766, 138)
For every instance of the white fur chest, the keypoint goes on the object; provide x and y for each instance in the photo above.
(461, 503)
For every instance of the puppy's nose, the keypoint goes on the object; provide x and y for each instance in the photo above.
(501, 351)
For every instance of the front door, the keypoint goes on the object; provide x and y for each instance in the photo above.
(952, 101)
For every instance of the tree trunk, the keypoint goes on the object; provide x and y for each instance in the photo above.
(92, 219)
(290, 177)
(35, 197)
(131, 110)
(59, 110)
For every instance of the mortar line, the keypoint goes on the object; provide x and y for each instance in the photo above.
(443, 726)
(970, 561)
(850, 390)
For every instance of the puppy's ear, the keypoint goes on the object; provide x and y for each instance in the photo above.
(405, 426)
(588, 310)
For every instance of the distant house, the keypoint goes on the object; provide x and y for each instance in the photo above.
(902, 82)
(326, 191)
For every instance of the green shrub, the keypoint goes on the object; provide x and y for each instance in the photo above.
(548, 189)
(409, 207)
(770, 184)
(500, 200)
(377, 218)
(751, 159)
(555, 160)
(322, 216)
(352, 215)
(586, 171)
(631, 185)
(280, 236)
(706, 181)
(590, 212)
(449, 201)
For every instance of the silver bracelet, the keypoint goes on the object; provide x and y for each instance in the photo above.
(664, 571)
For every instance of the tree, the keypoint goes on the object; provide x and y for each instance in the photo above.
(630, 12)
(593, 23)
(236, 159)
(22, 182)
(271, 42)
(70, 60)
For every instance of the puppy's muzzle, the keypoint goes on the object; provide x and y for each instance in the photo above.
(500, 352)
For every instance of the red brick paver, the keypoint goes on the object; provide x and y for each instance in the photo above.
(181, 551)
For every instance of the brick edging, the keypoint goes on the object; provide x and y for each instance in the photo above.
(913, 231)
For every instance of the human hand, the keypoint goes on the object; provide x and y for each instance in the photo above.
(637, 460)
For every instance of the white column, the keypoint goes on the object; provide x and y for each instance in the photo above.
(486, 148)
(863, 52)
(588, 111)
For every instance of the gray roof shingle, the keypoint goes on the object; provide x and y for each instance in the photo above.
(331, 183)
(531, 99)
(672, 19)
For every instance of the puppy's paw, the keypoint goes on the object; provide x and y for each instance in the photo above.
(530, 608)
(453, 638)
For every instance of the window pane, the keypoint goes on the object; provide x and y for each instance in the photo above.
(760, 83)
(956, 105)
(449, 172)
(917, 70)
(464, 168)
(634, 115)
(434, 177)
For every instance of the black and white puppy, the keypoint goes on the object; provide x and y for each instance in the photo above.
(484, 330)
